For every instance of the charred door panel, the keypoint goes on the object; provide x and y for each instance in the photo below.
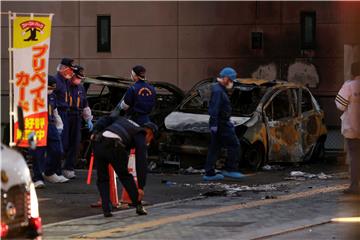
(310, 121)
(283, 127)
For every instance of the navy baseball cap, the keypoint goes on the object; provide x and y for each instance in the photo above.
(79, 71)
(140, 71)
(67, 62)
(51, 82)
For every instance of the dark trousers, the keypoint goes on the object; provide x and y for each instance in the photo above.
(108, 151)
(54, 151)
(65, 133)
(353, 154)
(225, 137)
(38, 162)
(74, 138)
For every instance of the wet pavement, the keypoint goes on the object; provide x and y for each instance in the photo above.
(265, 205)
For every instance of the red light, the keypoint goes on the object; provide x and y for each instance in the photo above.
(36, 224)
(4, 230)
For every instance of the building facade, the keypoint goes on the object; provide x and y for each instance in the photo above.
(184, 42)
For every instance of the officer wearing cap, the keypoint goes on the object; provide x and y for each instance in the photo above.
(54, 149)
(78, 108)
(222, 129)
(113, 138)
(47, 160)
(139, 99)
(65, 71)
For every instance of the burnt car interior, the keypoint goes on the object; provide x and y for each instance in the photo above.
(244, 98)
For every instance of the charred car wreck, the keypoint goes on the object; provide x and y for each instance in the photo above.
(104, 92)
(275, 121)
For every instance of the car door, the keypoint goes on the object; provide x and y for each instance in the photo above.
(311, 119)
(283, 127)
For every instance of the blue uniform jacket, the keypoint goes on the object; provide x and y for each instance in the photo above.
(62, 92)
(219, 106)
(77, 97)
(141, 98)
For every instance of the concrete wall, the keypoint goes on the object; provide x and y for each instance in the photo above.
(184, 42)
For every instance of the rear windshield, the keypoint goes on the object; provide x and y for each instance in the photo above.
(244, 99)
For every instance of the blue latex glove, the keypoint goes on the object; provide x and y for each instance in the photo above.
(214, 129)
(90, 125)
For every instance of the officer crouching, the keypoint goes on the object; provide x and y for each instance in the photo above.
(113, 137)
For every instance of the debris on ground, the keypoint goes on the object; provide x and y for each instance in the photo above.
(215, 193)
(235, 190)
(272, 168)
(191, 170)
(152, 166)
(301, 176)
(168, 183)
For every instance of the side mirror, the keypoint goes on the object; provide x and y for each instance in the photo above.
(20, 115)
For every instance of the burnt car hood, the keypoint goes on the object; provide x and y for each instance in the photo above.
(193, 122)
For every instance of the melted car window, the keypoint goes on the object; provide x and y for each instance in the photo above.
(306, 101)
(280, 107)
(96, 90)
(244, 99)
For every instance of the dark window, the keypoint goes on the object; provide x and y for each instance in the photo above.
(306, 101)
(103, 33)
(280, 107)
(308, 30)
(256, 40)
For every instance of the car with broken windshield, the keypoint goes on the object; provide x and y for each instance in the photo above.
(104, 93)
(275, 121)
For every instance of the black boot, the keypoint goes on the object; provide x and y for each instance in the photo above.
(140, 210)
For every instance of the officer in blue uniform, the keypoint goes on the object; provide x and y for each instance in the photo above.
(113, 137)
(222, 129)
(54, 149)
(78, 109)
(65, 71)
(139, 99)
(47, 159)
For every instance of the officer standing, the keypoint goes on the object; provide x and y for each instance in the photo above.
(222, 129)
(65, 71)
(113, 137)
(139, 99)
(54, 149)
(47, 160)
(78, 108)
(348, 101)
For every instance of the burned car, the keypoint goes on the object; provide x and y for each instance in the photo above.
(105, 92)
(275, 121)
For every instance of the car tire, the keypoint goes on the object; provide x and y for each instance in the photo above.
(254, 156)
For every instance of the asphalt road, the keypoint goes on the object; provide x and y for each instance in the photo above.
(59, 202)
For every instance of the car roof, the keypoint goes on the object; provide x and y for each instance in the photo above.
(120, 82)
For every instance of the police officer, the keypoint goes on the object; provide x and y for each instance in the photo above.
(65, 71)
(54, 149)
(46, 161)
(113, 137)
(222, 129)
(140, 98)
(78, 108)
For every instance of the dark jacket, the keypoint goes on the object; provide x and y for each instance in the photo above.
(219, 106)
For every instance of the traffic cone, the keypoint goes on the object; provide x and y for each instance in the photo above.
(113, 188)
(125, 199)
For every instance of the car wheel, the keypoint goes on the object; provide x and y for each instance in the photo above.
(254, 156)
